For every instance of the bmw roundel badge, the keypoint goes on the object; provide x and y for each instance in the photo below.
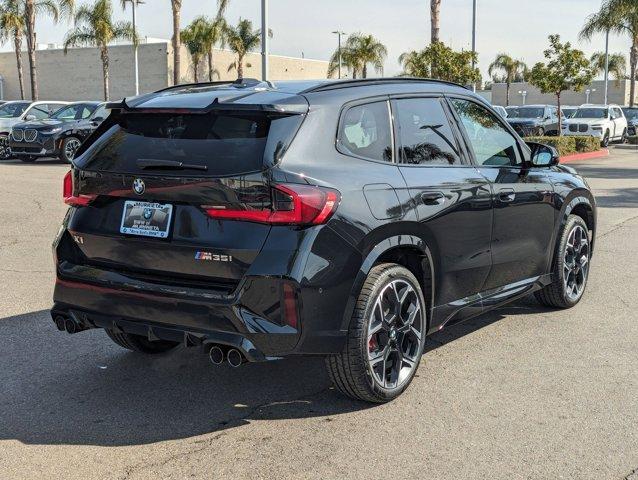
(148, 213)
(138, 186)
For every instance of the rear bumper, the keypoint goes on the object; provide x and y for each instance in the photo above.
(251, 316)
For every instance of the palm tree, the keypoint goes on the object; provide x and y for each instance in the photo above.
(176, 6)
(435, 20)
(193, 37)
(241, 40)
(511, 69)
(94, 26)
(617, 16)
(12, 25)
(211, 33)
(32, 8)
(349, 60)
(366, 50)
(617, 64)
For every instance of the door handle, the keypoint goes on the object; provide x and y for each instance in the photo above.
(506, 196)
(432, 198)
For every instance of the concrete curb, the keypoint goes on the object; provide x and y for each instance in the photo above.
(584, 156)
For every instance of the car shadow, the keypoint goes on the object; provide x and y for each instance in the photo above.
(83, 390)
(38, 162)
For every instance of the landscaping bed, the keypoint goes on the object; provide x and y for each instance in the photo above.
(569, 145)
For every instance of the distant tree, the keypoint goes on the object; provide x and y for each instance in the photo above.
(242, 39)
(618, 16)
(617, 65)
(12, 25)
(349, 60)
(212, 33)
(441, 62)
(94, 26)
(193, 36)
(366, 50)
(511, 68)
(176, 8)
(55, 9)
(566, 69)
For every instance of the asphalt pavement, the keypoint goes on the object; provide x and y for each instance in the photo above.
(523, 392)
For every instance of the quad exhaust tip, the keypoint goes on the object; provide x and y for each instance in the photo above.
(235, 358)
(216, 355)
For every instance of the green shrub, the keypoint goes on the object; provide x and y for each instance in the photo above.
(564, 145)
(633, 140)
(587, 144)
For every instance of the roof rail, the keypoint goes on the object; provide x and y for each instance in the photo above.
(240, 82)
(360, 82)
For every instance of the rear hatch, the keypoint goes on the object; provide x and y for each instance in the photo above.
(154, 171)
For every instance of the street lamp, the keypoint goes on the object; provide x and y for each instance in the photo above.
(588, 92)
(134, 4)
(264, 40)
(473, 40)
(524, 94)
(339, 33)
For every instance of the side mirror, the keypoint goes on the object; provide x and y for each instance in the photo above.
(30, 118)
(543, 155)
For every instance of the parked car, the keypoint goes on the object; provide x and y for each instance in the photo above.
(606, 122)
(230, 218)
(58, 136)
(530, 120)
(500, 110)
(568, 112)
(631, 114)
(15, 112)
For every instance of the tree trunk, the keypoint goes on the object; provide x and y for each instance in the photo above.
(17, 39)
(560, 120)
(210, 65)
(435, 12)
(633, 61)
(240, 66)
(196, 70)
(29, 14)
(177, 42)
(507, 94)
(105, 71)
(364, 72)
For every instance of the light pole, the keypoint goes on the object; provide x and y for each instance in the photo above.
(339, 33)
(473, 40)
(588, 92)
(134, 4)
(264, 40)
(606, 66)
(524, 94)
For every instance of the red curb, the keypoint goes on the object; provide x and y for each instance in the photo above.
(584, 156)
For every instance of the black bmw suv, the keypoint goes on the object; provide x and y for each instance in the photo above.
(347, 219)
(57, 136)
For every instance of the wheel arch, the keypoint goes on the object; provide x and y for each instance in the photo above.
(408, 251)
(583, 205)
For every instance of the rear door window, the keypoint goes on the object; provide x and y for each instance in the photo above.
(425, 135)
(226, 144)
(365, 132)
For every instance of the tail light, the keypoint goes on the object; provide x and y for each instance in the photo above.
(291, 205)
(67, 193)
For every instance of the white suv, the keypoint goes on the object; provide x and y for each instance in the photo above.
(606, 122)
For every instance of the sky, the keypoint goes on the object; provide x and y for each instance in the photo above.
(517, 27)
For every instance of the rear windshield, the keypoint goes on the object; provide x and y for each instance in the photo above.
(226, 144)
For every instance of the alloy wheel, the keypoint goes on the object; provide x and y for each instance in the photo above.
(5, 150)
(395, 329)
(70, 148)
(576, 262)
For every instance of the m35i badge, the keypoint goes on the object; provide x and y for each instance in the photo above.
(212, 257)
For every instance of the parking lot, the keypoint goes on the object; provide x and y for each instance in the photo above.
(522, 392)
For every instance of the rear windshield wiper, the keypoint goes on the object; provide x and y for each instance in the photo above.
(168, 164)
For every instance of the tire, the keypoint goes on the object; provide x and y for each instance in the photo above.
(540, 132)
(362, 374)
(69, 146)
(623, 138)
(575, 266)
(605, 141)
(140, 344)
